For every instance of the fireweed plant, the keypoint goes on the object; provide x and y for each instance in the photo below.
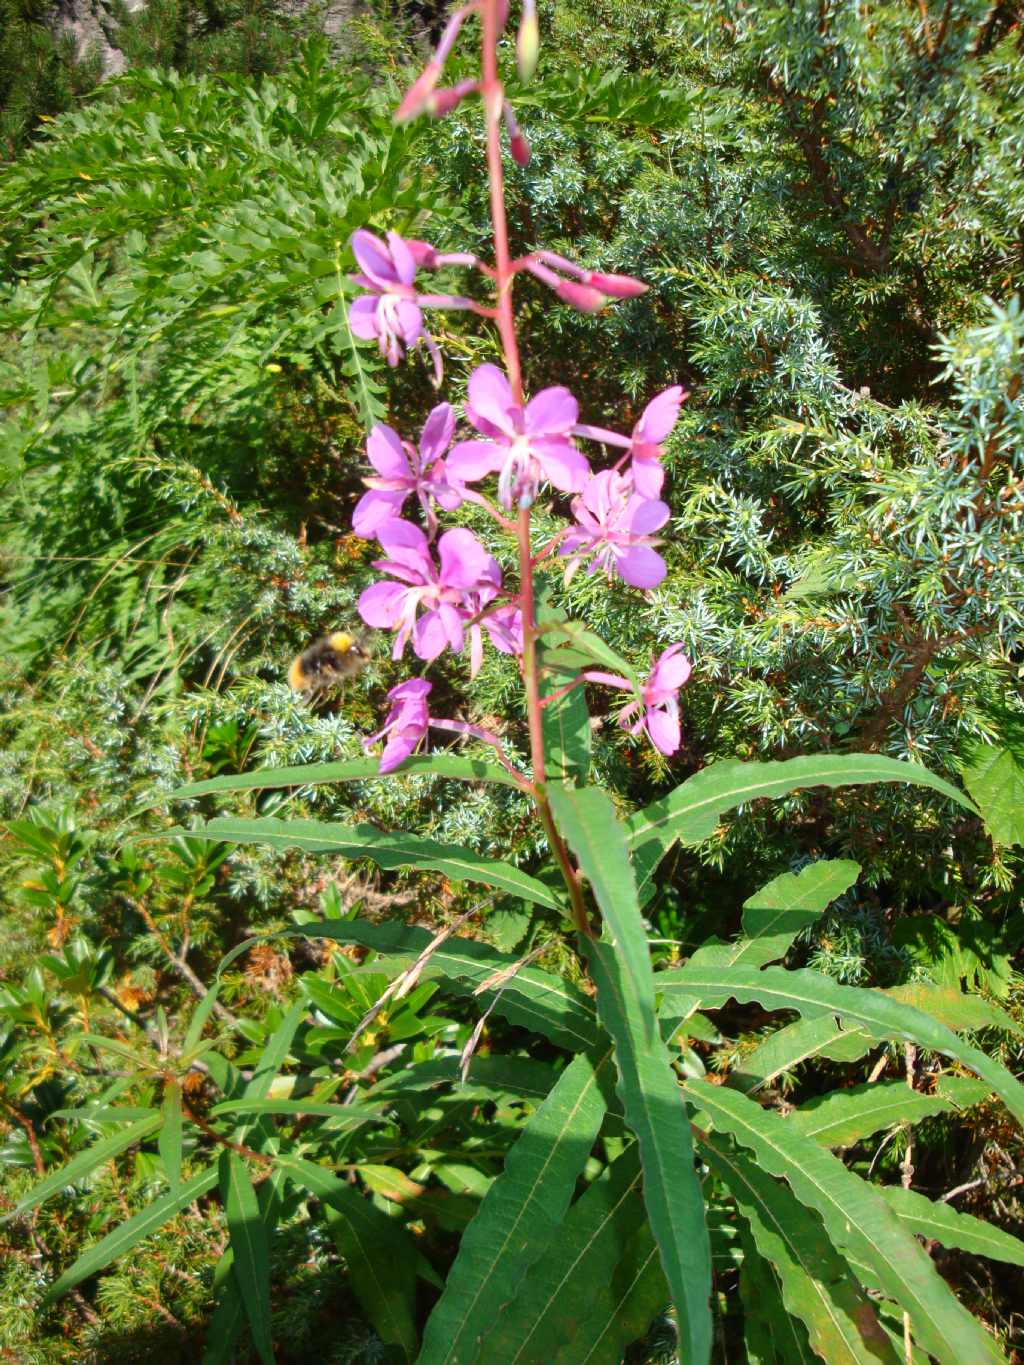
(624, 1173)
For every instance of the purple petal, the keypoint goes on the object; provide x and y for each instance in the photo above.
(490, 397)
(640, 567)
(464, 560)
(373, 258)
(648, 477)
(663, 730)
(405, 265)
(671, 670)
(552, 412)
(437, 433)
(564, 465)
(403, 535)
(385, 453)
(380, 605)
(374, 509)
(398, 749)
(362, 317)
(409, 320)
(430, 635)
(643, 516)
(469, 460)
(659, 416)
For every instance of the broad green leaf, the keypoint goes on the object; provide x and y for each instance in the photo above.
(858, 1220)
(354, 1113)
(817, 1286)
(692, 811)
(586, 818)
(819, 1036)
(771, 1335)
(250, 1247)
(532, 998)
(228, 1317)
(487, 1076)
(596, 1288)
(811, 994)
(995, 778)
(940, 1222)
(566, 727)
(773, 916)
(964, 1011)
(845, 1116)
(380, 1256)
(521, 1214)
(80, 1166)
(452, 766)
(657, 1115)
(128, 1234)
(386, 850)
(169, 1141)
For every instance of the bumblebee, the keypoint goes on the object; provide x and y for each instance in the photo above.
(327, 661)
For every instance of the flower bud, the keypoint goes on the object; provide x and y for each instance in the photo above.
(617, 286)
(580, 296)
(518, 144)
(442, 102)
(528, 42)
(418, 94)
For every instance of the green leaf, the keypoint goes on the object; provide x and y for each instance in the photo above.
(128, 1234)
(811, 994)
(770, 1334)
(228, 1317)
(169, 1141)
(534, 999)
(345, 770)
(773, 916)
(819, 1036)
(656, 1113)
(80, 1166)
(937, 1221)
(379, 1255)
(566, 726)
(522, 1212)
(857, 1219)
(586, 819)
(844, 1117)
(597, 1287)
(250, 1248)
(995, 778)
(488, 1076)
(386, 850)
(354, 1113)
(817, 1286)
(692, 811)
(200, 1015)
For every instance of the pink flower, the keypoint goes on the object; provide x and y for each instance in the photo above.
(402, 469)
(660, 705)
(614, 526)
(504, 625)
(389, 312)
(444, 596)
(645, 445)
(526, 444)
(406, 724)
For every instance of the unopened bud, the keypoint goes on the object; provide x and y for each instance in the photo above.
(617, 286)
(581, 296)
(518, 144)
(528, 41)
(418, 94)
(442, 102)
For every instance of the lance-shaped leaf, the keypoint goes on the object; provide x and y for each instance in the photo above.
(522, 1212)
(811, 994)
(939, 1222)
(820, 1036)
(386, 850)
(770, 1334)
(453, 766)
(586, 818)
(858, 1221)
(228, 1317)
(590, 1294)
(126, 1235)
(656, 1113)
(773, 916)
(532, 998)
(250, 1247)
(379, 1254)
(566, 724)
(169, 1141)
(692, 811)
(81, 1165)
(845, 1116)
(817, 1286)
